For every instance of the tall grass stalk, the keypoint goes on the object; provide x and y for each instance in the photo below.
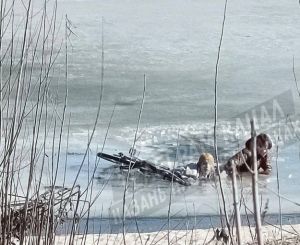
(255, 185)
(278, 188)
(216, 121)
(131, 161)
(236, 205)
(171, 187)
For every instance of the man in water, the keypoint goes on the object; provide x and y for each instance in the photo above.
(243, 159)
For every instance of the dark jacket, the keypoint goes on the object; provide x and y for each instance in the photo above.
(244, 157)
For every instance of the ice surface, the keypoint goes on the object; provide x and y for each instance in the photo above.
(175, 44)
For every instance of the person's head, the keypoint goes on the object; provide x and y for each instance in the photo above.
(263, 144)
(205, 165)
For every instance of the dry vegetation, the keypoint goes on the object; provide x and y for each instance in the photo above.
(32, 128)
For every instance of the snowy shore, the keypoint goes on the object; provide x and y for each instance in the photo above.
(271, 234)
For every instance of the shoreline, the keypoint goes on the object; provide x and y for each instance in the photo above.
(271, 234)
(155, 224)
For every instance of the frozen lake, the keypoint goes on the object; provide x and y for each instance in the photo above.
(175, 43)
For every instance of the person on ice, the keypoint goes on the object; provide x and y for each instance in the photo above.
(243, 159)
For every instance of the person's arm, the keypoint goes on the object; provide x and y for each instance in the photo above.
(239, 159)
(265, 164)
